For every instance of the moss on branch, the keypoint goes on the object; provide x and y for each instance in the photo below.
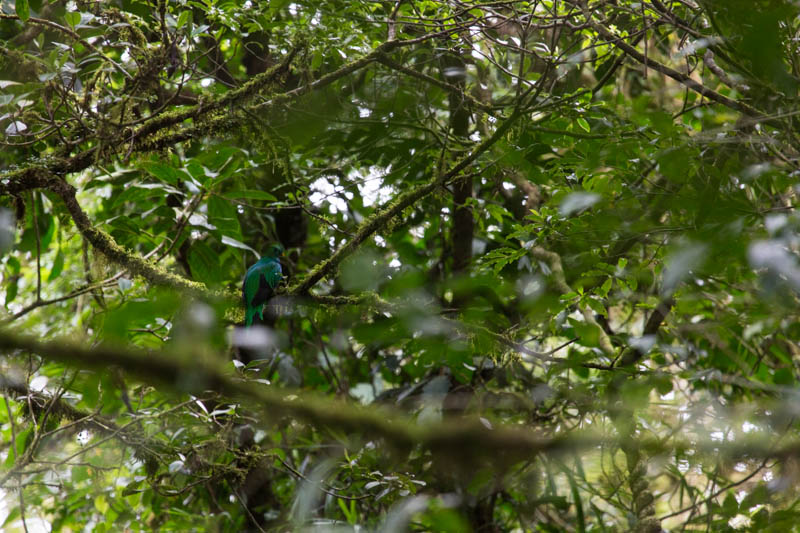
(382, 217)
(559, 281)
(184, 373)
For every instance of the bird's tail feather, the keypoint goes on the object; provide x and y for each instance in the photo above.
(250, 315)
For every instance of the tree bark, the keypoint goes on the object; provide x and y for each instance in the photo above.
(454, 71)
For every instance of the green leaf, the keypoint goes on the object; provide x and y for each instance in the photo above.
(497, 212)
(13, 515)
(575, 360)
(577, 501)
(316, 60)
(184, 17)
(23, 439)
(58, 266)
(46, 224)
(23, 10)
(237, 244)
(597, 306)
(13, 265)
(578, 201)
(165, 173)
(12, 290)
(499, 258)
(663, 383)
(203, 262)
(349, 511)
(220, 161)
(589, 334)
(49, 231)
(73, 18)
(675, 164)
(224, 216)
(756, 496)
(583, 124)
(783, 376)
(605, 288)
(730, 506)
(133, 487)
(101, 504)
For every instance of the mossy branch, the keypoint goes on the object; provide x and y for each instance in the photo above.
(465, 440)
(151, 136)
(680, 77)
(381, 217)
(103, 242)
(48, 176)
(146, 141)
(560, 283)
(233, 97)
(128, 435)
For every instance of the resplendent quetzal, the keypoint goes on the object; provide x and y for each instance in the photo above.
(260, 282)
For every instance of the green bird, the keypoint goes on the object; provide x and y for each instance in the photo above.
(260, 282)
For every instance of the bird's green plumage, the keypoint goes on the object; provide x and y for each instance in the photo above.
(260, 282)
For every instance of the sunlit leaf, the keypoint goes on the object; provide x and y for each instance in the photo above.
(577, 201)
(23, 9)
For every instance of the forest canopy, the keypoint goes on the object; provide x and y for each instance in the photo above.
(538, 265)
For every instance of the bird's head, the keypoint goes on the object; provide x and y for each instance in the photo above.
(275, 250)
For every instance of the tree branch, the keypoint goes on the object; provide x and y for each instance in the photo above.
(383, 215)
(631, 355)
(560, 282)
(465, 440)
(672, 73)
(100, 240)
(83, 419)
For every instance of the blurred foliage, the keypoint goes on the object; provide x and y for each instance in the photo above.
(617, 354)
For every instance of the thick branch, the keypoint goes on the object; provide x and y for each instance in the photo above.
(465, 440)
(145, 141)
(29, 178)
(116, 253)
(100, 240)
(232, 97)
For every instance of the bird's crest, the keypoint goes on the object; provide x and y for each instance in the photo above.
(275, 250)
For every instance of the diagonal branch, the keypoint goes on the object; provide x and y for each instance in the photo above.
(632, 355)
(240, 95)
(105, 244)
(100, 240)
(383, 215)
(672, 73)
(553, 260)
(31, 176)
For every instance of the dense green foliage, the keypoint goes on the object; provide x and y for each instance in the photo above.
(541, 272)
